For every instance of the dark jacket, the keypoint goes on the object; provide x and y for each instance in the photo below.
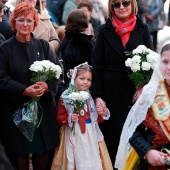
(2, 38)
(5, 27)
(110, 77)
(15, 60)
(76, 49)
(95, 24)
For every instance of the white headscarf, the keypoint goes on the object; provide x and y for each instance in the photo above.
(137, 114)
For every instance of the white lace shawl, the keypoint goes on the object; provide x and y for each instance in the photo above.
(136, 115)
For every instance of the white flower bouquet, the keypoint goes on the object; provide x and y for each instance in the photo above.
(44, 71)
(141, 65)
(77, 99)
(26, 117)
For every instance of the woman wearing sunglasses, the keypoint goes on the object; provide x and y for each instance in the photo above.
(123, 31)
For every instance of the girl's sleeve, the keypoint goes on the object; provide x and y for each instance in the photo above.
(62, 116)
(100, 119)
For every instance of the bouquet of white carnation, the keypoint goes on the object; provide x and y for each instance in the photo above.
(26, 117)
(141, 64)
(44, 71)
(77, 99)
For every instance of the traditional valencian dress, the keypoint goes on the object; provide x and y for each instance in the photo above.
(82, 148)
(147, 126)
(157, 122)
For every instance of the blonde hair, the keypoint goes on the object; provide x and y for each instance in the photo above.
(111, 10)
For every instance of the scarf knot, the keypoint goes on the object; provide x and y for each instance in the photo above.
(123, 29)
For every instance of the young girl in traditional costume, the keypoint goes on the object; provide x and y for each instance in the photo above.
(147, 127)
(82, 148)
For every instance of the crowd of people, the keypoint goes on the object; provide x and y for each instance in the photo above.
(89, 43)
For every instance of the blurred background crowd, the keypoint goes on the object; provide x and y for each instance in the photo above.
(58, 10)
(73, 38)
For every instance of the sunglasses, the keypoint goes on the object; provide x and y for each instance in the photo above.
(117, 5)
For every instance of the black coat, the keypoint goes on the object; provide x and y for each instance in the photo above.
(110, 78)
(15, 60)
(2, 38)
(76, 49)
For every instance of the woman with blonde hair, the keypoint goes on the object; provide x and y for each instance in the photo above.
(123, 31)
(44, 30)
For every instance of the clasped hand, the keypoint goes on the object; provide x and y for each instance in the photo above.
(101, 107)
(36, 90)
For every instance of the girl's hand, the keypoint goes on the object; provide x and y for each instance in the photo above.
(70, 73)
(155, 158)
(74, 117)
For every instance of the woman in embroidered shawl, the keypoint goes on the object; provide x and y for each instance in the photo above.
(83, 147)
(147, 128)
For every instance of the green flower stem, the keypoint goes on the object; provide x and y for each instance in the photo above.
(36, 100)
(41, 117)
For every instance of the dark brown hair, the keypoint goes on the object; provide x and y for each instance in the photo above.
(23, 9)
(87, 4)
(76, 21)
(111, 9)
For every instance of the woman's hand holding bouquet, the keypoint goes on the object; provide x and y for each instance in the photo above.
(26, 117)
(140, 67)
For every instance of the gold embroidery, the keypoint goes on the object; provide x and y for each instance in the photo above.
(161, 106)
(161, 109)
